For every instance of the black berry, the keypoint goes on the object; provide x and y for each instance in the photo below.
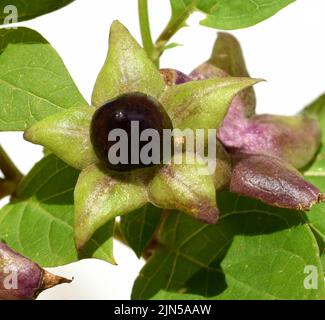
(125, 113)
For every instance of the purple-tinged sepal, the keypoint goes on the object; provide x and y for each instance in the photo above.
(272, 181)
(294, 139)
(22, 279)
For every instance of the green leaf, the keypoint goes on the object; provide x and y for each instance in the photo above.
(102, 195)
(317, 167)
(316, 216)
(254, 252)
(165, 295)
(225, 14)
(19, 36)
(127, 69)
(100, 246)
(172, 46)
(236, 14)
(202, 104)
(317, 109)
(32, 9)
(34, 82)
(39, 223)
(315, 173)
(181, 10)
(66, 134)
(138, 227)
(178, 6)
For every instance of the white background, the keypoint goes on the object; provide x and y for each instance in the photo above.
(287, 50)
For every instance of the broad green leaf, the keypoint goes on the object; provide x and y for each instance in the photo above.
(39, 223)
(165, 295)
(127, 69)
(102, 195)
(236, 14)
(179, 6)
(34, 82)
(316, 216)
(202, 104)
(316, 175)
(66, 134)
(225, 14)
(100, 246)
(29, 10)
(317, 167)
(181, 11)
(185, 185)
(254, 252)
(317, 109)
(138, 227)
(19, 36)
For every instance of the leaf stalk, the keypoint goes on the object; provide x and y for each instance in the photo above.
(11, 173)
(173, 26)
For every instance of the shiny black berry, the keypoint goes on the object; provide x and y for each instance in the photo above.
(132, 114)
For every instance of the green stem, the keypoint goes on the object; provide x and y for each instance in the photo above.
(7, 188)
(10, 171)
(173, 26)
(145, 27)
(155, 50)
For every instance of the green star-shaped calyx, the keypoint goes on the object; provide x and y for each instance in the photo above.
(100, 194)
